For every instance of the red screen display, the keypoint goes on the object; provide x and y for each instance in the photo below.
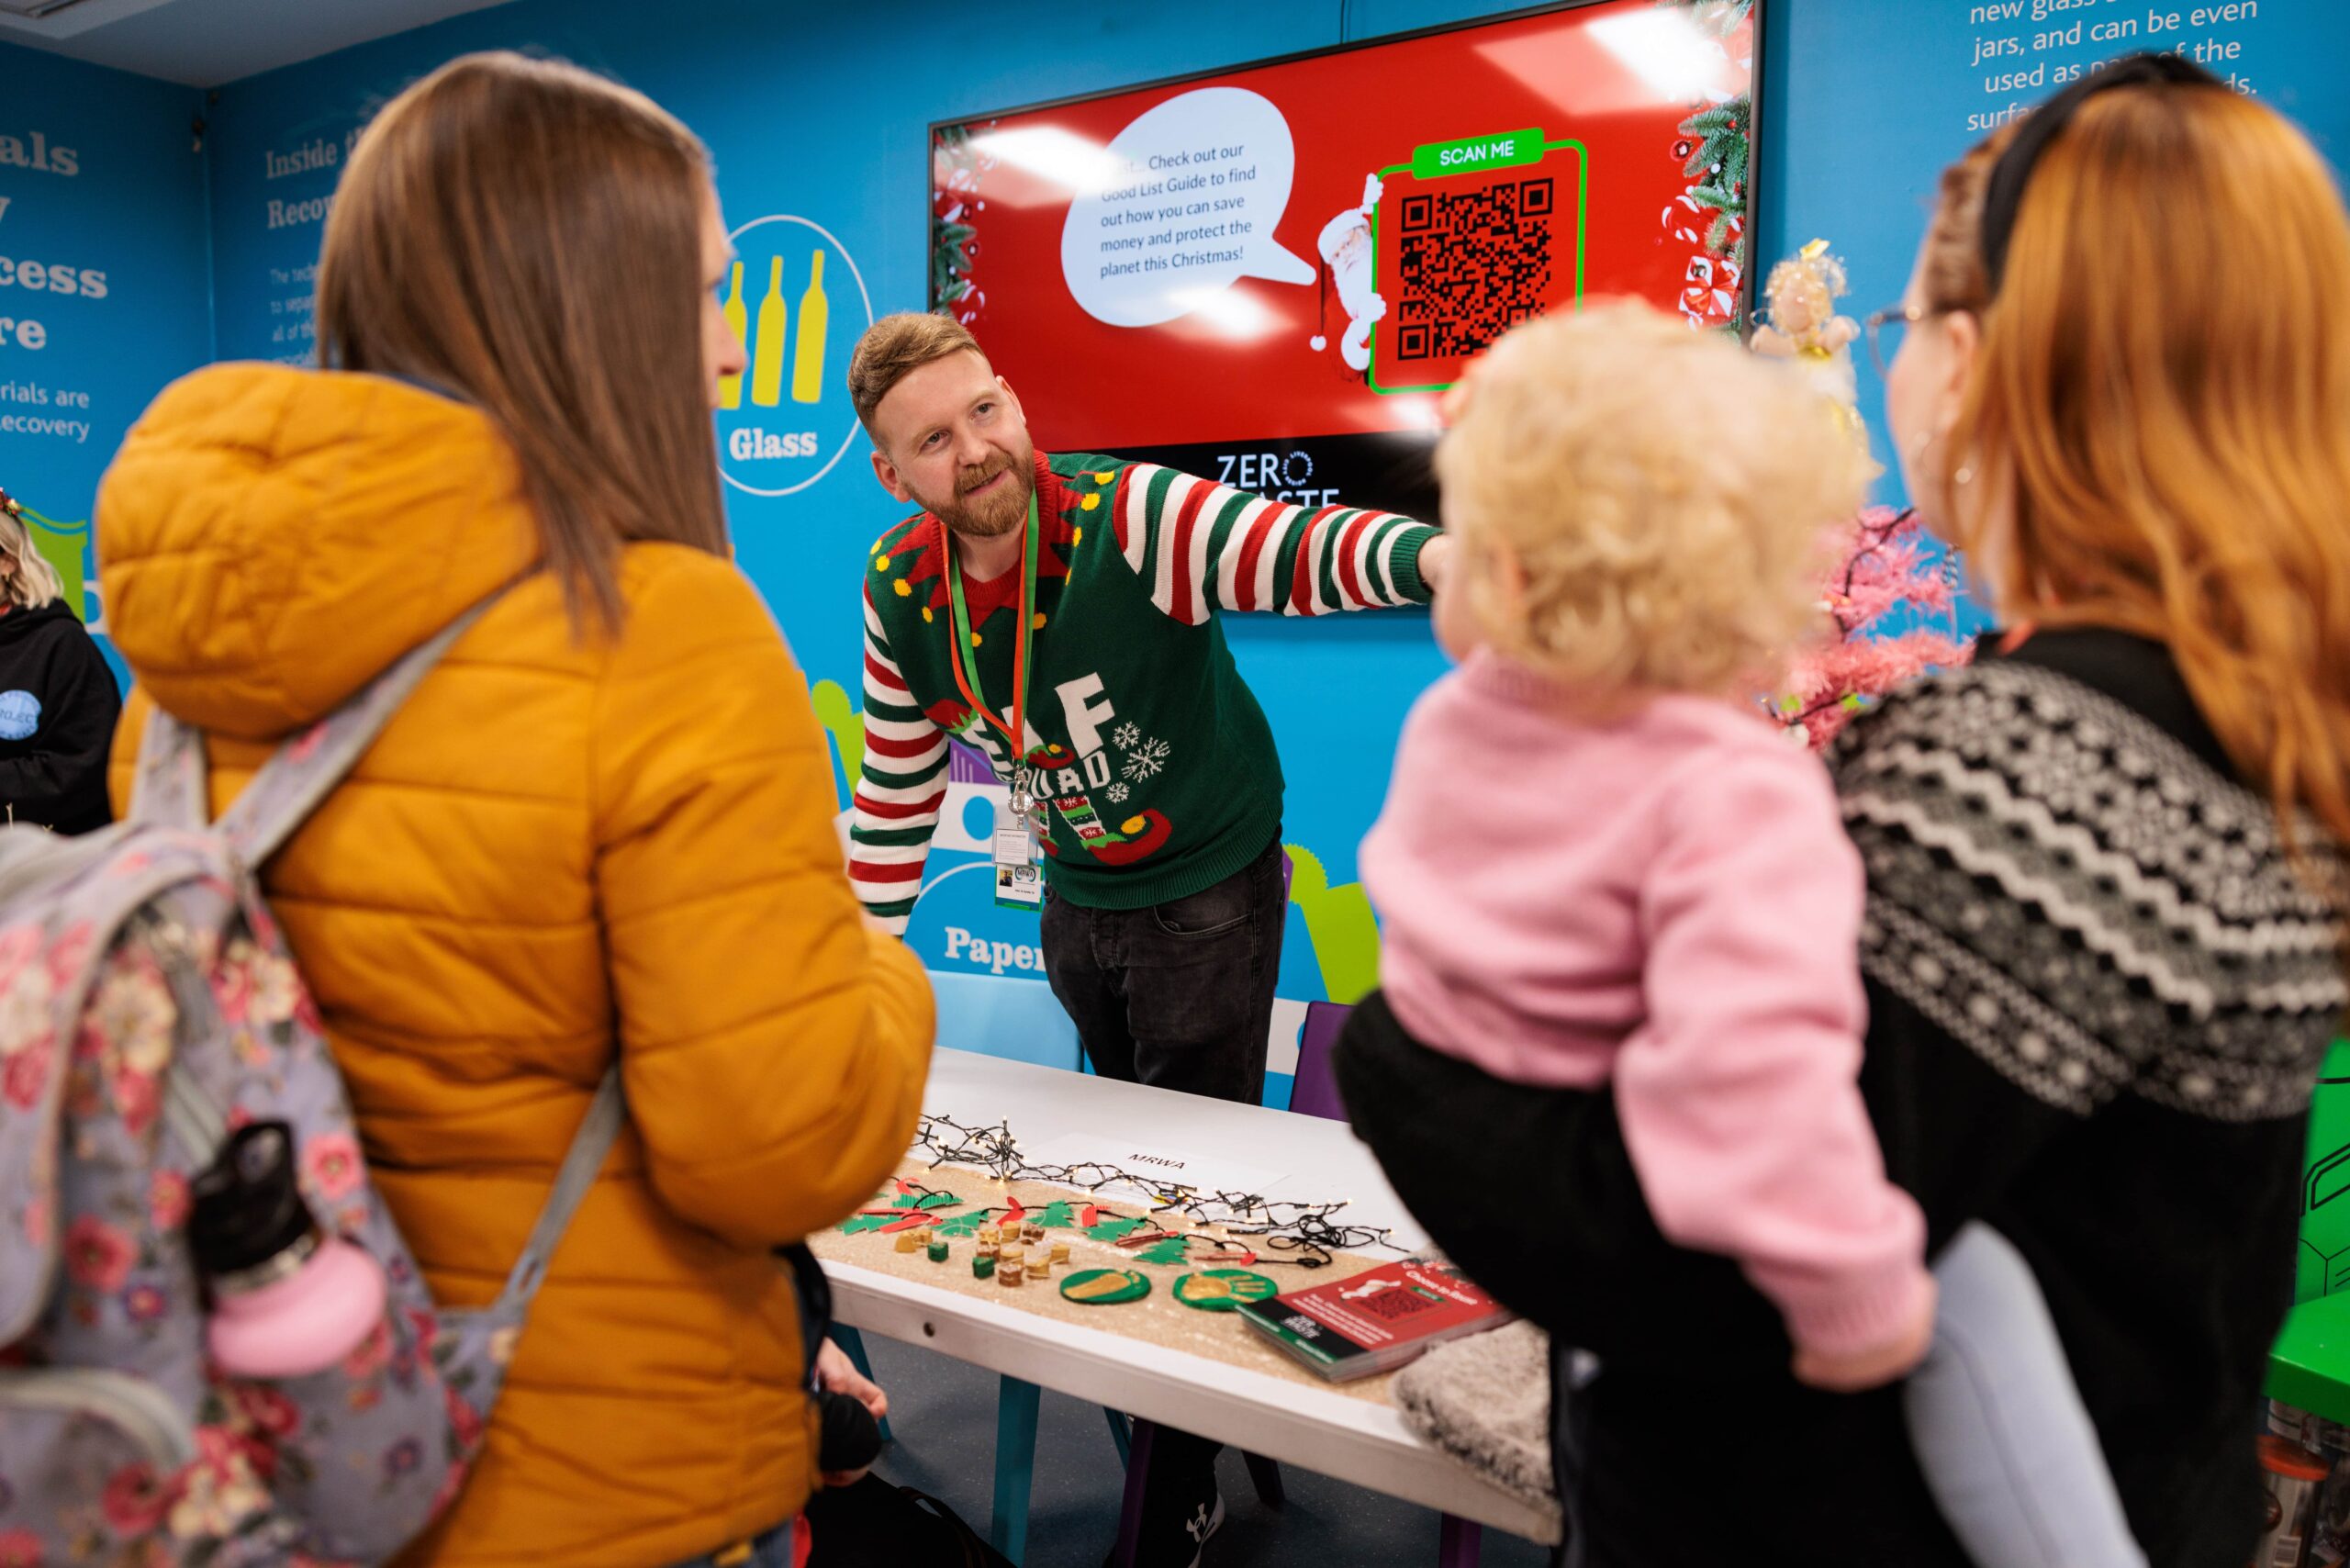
(1282, 265)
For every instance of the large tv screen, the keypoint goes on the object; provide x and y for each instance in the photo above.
(1267, 275)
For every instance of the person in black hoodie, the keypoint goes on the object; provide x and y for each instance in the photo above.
(2103, 935)
(58, 699)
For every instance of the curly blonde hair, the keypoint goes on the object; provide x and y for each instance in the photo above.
(1665, 494)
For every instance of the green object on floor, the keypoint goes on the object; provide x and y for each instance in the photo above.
(983, 1267)
(2310, 1365)
(2322, 1266)
(939, 1252)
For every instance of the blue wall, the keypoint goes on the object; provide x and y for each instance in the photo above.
(824, 117)
(127, 231)
(819, 116)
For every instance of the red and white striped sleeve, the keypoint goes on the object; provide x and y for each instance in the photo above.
(1204, 547)
(899, 791)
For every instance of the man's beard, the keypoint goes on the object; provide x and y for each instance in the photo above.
(995, 514)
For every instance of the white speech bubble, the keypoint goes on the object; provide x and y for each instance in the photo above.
(1205, 179)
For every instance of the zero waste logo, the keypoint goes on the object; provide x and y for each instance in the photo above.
(798, 301)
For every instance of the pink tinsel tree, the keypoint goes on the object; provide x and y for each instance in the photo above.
(1882, 565)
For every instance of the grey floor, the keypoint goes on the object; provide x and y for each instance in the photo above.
(943, 1418)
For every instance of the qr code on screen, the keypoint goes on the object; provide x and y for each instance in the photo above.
(1397, 1305)
(1470, 266)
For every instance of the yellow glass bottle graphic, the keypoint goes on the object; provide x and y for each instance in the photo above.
(767, 354)
(729, 387)
(808, 358)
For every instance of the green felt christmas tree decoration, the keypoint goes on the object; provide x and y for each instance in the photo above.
(1054, 1217)
(962, 1227)
(1113, 1228)
(1174, 1249)
(902, 1207)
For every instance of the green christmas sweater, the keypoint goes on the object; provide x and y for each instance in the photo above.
(1153, 765)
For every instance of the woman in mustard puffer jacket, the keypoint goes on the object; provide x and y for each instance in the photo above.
(601, 828)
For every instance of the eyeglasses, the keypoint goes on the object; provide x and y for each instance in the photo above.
(1887, 327)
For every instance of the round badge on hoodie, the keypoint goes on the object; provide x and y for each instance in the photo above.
(19, 715)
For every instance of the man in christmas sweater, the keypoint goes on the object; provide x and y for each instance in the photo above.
(1155, 788)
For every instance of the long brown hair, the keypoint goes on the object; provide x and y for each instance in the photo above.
(527, 236)
(2165, 376)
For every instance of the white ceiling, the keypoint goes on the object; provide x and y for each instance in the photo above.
(205, 42)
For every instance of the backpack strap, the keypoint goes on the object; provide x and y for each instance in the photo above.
(581, 1165)
(172, 788)
(171, 793)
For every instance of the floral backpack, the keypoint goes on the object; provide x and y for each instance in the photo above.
(149, 1008)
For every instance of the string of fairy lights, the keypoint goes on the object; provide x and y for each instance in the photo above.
(1274, 1231)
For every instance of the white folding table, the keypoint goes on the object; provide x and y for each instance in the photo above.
(1320, 1429)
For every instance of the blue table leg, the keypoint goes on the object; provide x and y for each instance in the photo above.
(1121, 1431)
(1137, 1475)
(1459, 1543)
(852, 1344)
(1015, 1465)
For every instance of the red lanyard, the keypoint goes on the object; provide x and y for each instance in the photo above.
(958, 622)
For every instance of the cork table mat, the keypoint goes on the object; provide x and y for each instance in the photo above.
(1159, 1319)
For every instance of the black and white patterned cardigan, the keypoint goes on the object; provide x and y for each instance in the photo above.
(2075, 894)
(2101, 989)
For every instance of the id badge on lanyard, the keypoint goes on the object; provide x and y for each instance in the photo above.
(1019, 880)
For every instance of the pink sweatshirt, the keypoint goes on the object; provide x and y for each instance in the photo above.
(1666, 899)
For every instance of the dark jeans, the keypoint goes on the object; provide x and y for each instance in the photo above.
(1178, 995)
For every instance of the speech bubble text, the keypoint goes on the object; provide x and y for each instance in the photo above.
(1202, 180)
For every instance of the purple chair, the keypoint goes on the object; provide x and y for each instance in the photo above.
(1314, 1092)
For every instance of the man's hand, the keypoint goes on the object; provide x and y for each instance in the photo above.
(1436, 560)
